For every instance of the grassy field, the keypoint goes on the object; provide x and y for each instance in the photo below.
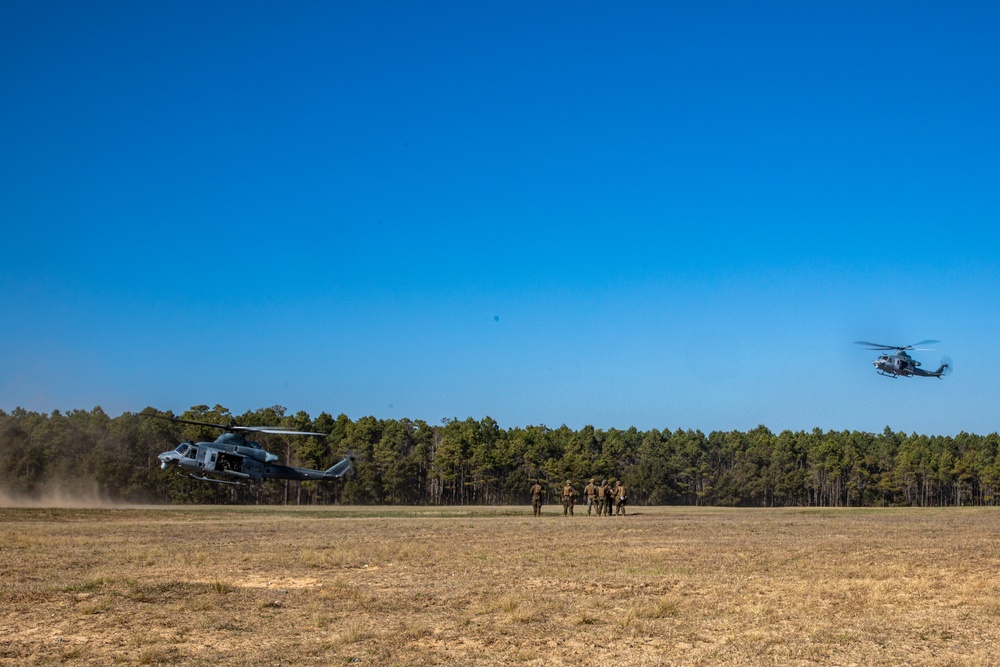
(495, 586)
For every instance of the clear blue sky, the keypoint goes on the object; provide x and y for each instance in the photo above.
(666, 215)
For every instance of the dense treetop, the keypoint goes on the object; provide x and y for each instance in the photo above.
(89, 454)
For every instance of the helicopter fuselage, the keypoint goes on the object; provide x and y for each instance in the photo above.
(206, 457)
(899, 363)
(894, 365)
(234, 458)
(902, 364)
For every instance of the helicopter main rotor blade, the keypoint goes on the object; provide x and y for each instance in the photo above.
(275, 429)
(879, 346)
(191, 421)
(234, 427)
(876, 346)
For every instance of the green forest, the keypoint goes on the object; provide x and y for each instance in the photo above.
(88, 454)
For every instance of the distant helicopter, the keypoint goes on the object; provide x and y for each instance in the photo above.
(232, 459)
(900, 363)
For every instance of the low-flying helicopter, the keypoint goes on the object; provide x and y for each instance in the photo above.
(232, 459)
(900, 363)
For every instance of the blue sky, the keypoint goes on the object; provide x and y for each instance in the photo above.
(666, 215)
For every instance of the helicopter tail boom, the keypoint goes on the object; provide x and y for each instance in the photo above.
(336, 471)
(942, 370)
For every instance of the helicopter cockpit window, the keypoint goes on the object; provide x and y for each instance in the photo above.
(181, 448)
(192, 453)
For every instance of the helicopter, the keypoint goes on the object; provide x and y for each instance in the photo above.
(901, 364)
(232, 459)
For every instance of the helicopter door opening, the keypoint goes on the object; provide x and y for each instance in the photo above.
(229, 462)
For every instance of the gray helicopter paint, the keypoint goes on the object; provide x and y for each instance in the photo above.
(900, 364)
(231, 458)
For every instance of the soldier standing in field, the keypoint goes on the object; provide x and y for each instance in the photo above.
(609, 506)
(591, 492)
(602, 496)
(537, 490)
(621, 497)
(568, 498)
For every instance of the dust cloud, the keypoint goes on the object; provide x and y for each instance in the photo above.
(57, 497)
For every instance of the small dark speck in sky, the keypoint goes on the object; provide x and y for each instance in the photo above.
(496, 318)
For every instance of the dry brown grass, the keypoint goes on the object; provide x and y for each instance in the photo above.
(494, 586)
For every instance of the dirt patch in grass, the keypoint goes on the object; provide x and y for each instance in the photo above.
(495, 586)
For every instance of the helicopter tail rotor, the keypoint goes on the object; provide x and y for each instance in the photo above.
(945, 368)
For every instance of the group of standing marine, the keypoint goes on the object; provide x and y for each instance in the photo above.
(602, 499)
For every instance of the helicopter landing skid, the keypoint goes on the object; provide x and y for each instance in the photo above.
(214, 481)
(888, 375)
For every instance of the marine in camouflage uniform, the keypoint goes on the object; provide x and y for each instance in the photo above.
(568, 498)
(602, 496)
(537, 491)
(590, 491)
(609, 504)
(621, 497)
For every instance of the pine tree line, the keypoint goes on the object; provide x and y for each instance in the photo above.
(89, 454)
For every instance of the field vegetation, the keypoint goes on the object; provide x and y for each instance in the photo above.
(495, 586)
